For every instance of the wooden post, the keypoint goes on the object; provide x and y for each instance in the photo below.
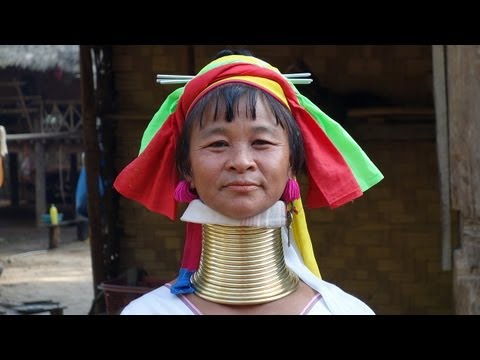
(73, 181)
(92, 164)
(13, 172)
(40, 183)
(441, 115)
(463, 72)
(53, 236)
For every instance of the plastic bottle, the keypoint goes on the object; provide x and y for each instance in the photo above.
(53, 214)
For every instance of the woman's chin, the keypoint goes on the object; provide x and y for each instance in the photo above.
(242, 211)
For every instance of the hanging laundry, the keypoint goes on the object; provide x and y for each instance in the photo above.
(81, 194)
(27, 165)
(3, 150)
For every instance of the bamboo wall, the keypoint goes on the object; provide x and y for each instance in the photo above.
(385, 246)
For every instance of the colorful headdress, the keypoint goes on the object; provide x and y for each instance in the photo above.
(338, 170)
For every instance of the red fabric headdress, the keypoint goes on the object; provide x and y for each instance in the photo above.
(151, 178)
(337, 168)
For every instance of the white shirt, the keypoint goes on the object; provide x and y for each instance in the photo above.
(330, 300)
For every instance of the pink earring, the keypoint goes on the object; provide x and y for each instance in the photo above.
(183, 193)
(291, 192)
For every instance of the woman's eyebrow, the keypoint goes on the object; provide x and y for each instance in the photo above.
(266, 129)
(221, 130)
(206, 132)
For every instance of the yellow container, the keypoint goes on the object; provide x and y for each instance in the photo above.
(53, 214)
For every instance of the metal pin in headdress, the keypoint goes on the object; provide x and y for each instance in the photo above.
(295, 78)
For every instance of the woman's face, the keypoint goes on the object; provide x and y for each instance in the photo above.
(240, 168)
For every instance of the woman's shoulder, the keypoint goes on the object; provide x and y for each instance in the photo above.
(342, 303)
(157, 302)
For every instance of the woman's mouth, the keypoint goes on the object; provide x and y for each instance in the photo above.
(241, 186)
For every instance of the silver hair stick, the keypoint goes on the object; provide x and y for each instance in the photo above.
(164, 79)
(184, 81)
(170, 76)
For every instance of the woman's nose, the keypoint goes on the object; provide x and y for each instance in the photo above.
(241, 159)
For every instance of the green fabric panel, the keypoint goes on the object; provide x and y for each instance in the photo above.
(167, 108)
(365, 172)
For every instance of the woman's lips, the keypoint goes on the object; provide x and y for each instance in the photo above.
(241, 186)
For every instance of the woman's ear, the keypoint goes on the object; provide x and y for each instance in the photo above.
(290, 172)
(190, 181)
(184, 192)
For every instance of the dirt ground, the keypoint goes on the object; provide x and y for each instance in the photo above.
(32, 272)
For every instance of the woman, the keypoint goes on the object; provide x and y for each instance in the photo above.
(231, 143)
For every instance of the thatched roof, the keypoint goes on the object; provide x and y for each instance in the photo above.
(41, 57)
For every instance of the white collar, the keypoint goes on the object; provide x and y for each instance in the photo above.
(198, 212)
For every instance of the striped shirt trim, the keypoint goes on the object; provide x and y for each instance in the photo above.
(311, 304)
(186, 302)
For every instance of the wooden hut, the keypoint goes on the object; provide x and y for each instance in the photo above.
(40, 110)
(408, 246)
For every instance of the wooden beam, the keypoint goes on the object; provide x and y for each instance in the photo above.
(13, 99)
(12, 83)
(26, 112)
(466, 279)
(92, 165)
(130, 116)
(73, 173)
(464, 128)
(391, 111)
(62, 102)
(19, 111)
(392, 132)
(40, 182)
(440, 99)
(463, 72)
(42, 136)
(105, 101)
(14, 184)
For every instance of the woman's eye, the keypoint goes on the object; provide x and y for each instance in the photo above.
(218, 144)
(261, 142)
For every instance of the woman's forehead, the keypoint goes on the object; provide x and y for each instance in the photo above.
(217, 108)
(240, 126)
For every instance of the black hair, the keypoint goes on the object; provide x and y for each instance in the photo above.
(226, 97)
(227, 52)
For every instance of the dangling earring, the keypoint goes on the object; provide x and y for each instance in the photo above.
(183, 193)
(291, 192)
